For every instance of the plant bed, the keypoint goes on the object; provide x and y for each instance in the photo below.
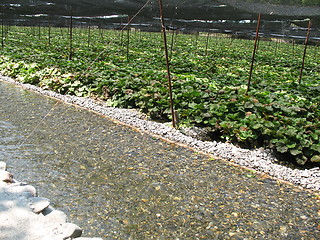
(209, 83)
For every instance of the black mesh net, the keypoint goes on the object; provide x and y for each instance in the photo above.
(233, 17)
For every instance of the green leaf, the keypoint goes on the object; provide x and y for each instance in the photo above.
(314, 136)
(315, 147)
(292, 145)
(295, 152)
(315, 159)
(282, 148)
(291, 132)
(257, 126)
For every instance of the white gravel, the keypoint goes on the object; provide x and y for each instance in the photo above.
(257, 159)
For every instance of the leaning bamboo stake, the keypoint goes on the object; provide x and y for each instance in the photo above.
(254, 53)
(167, 64)
(305, 51)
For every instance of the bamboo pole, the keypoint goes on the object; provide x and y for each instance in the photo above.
(128, 40)
(276, 48)
(39, 29)
(254, 53)
(167, 64)
(2, 27)
(197, 38)
(100, 30)
(172, 43)
(89, 33)
(49, 32)
(293, 45)
(207, 43)
(121, 38)
(305, 51)
(70, 36)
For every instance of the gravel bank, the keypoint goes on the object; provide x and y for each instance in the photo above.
(258, 159)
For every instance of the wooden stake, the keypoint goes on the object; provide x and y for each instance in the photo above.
(305, 51)
(167, 64)
(254, 53)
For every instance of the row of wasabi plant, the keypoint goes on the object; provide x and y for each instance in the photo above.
(209, 81)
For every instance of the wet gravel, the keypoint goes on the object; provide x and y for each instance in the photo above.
(261, 160)
(120, 183)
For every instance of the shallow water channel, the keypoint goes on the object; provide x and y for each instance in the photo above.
(118, 183)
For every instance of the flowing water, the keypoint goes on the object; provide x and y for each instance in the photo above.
(118, 183)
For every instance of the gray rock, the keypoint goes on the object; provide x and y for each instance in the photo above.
(6, 176)
(26, 190)
(70, 230)
(56, 216)
(38, 204)
(47, 211)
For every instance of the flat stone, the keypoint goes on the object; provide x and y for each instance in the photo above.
(47, 211)
(70, 230)
(56, 216)
(3, 166)
(6, 176)
(38, 204)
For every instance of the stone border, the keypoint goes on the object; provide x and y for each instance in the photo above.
(23, 212)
